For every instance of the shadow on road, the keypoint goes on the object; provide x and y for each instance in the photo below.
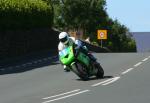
(28, 63)
(94, 78)
(107, 77)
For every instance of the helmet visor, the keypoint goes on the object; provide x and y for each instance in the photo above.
(64, 39)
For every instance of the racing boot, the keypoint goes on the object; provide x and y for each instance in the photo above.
(66, 69)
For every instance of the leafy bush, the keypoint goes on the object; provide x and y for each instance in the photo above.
(16, 14)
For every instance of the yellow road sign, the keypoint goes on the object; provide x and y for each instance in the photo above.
(101, 34)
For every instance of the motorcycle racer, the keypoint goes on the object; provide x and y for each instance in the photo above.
(66, 40)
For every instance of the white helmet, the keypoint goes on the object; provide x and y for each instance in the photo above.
(63, 37)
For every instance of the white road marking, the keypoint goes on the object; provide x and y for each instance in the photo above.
(45, 59)
(62, 94)
(24, 65)
(18, 66)
(127, 70)
(35, 62)
(138, 64)
(66, 96)
(114, 79)
(29, 63)
(2, 69)
(9, 68)
(53, 57)
(39, 60)
(102, 82)
(145, 59)
(49, 57)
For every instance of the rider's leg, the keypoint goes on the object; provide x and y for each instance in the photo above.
(92, 57)
(85, 50)
(66, 68)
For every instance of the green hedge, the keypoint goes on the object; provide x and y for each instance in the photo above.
(16, 14)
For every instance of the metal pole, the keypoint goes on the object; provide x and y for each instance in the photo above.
(101, 43)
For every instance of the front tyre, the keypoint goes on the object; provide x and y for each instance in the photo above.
(80, 70)
(100, 72)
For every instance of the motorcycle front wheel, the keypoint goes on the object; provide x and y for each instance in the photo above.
(80, 71)
(100, 72)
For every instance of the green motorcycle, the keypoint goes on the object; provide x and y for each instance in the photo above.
(80, 63)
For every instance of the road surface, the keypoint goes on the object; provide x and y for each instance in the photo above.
(126, 80)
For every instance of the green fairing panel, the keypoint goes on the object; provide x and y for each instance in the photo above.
(66, 56)
(84, 59)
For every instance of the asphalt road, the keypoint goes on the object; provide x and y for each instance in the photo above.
(126, 80)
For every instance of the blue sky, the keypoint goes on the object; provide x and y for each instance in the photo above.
(135, 14)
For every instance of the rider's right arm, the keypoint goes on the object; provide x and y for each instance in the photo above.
(60, 46)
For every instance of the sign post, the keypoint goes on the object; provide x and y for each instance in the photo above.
(101, 43)
(101, 34)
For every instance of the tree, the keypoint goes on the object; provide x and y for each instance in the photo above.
(91, 15)
(85, 14)
(120, 38)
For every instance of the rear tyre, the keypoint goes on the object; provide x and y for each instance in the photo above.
(100, 72)
(79, 70)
